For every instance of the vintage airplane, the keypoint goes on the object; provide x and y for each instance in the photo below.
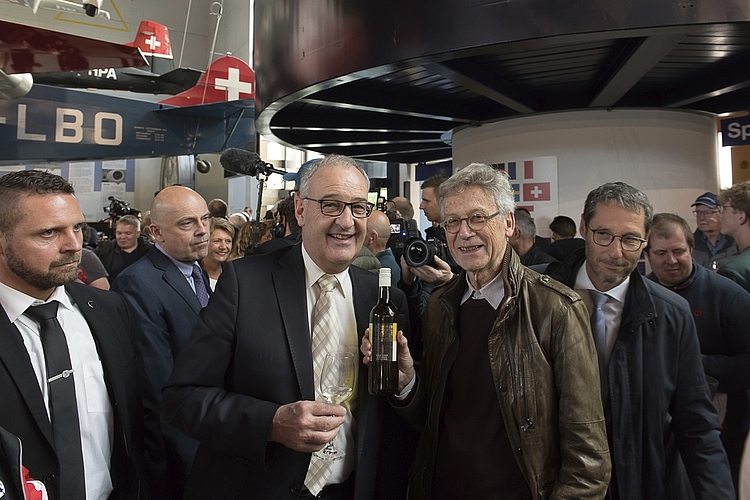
(161, 78)
(91, 8)
(52, 124)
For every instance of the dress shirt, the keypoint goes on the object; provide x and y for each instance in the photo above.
(612, 309)
(348, 341)
(94, 409)
(493, 292)
(185, 268)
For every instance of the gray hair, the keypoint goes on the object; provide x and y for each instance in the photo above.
(624, 195)
(328, 161)
(525, 225)
(495, 182)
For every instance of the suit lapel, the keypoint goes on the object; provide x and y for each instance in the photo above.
(174, 278)
(15, 357)
(289, 285)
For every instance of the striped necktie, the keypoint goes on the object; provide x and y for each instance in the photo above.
(325, 339)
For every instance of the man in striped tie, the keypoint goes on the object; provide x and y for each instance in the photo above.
(245, 385)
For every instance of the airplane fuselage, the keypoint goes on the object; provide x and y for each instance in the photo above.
(55, 124)
(134, 80)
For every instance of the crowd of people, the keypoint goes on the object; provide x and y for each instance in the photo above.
(525, 369)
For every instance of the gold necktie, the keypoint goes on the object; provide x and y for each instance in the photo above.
(325, 339)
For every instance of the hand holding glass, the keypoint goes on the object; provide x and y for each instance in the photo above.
(336, 386)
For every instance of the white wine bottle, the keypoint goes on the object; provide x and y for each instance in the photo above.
(383, 370)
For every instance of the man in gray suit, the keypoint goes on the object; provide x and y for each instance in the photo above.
(165, 291)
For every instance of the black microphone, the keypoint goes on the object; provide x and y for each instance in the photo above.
(244, 162)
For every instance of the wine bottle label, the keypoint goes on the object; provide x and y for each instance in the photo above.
(384, 342)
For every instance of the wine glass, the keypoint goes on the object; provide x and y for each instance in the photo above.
(336, 386)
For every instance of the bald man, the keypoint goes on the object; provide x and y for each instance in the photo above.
(376, 239)
(164, 292)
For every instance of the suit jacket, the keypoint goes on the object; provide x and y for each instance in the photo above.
(164, 309)
(249, 354)
(137, 450)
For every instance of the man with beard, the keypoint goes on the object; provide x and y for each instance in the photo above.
(165, 291)
(656, 399)
(73, 387)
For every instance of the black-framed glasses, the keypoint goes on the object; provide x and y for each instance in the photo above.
(724, 207)
(706, 213)
(334, 208)
(476, 222)
(628, 243)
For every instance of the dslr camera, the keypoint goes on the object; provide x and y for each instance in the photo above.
(418, 252)
(401, 231)
(116, 209)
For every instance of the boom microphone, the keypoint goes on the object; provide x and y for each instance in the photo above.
(244, 162)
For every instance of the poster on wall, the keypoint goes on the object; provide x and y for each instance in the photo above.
(94, 182)
(534, 182)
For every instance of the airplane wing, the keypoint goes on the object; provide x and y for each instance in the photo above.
(27, 49)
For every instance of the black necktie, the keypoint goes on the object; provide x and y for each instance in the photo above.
(200, 285)
(62, 401)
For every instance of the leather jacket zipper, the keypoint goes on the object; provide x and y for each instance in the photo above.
(525, 427)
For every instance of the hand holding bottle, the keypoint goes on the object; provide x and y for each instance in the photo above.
(405, 362)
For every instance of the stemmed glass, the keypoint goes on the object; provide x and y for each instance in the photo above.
(336, 386)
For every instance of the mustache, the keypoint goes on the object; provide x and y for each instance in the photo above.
(614, 262)
(62, 262)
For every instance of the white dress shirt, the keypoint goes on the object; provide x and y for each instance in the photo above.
(94, 409)
(348, 341)
(612, 308)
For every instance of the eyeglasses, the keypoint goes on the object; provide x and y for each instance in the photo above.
(627, 243)
(334, 208)
(705, 213)
(476, 222)
(724, 207)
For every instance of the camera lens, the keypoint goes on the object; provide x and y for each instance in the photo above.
(417, 252)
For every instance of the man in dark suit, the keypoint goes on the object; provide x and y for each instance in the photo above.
(163, 291)
(96, 415)
(245, 385)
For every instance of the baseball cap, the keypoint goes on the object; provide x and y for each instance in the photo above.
(709, 199)
(295, 176)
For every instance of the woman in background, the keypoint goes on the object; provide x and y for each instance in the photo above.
(219, 248)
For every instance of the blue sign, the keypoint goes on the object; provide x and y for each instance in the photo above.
(735, 131)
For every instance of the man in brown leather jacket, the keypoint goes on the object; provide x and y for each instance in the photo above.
(507, 396)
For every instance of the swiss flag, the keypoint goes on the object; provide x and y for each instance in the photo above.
(536, 191)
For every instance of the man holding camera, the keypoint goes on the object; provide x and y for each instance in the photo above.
(507, 394)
